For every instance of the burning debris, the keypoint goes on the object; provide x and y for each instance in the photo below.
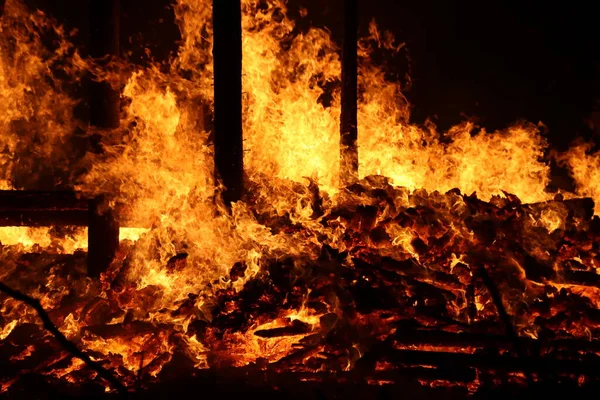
(448, 263)
(391, 281)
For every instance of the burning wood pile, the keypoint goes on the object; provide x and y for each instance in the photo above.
(440, 287)
(448, 264)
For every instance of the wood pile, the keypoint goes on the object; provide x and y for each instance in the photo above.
(442, 289)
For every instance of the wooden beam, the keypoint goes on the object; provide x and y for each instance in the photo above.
(587, 366)
(349, 118)
(227, 58)
(433, 338)
(32, 208)
(104, 47)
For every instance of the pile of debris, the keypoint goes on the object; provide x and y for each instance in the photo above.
(443, 288)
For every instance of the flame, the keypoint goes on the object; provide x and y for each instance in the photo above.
(30, 239)
(36, 104)
(43, 238)
(584, 165)
(183, 256)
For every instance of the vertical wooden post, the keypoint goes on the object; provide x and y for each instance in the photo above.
(104, 47)
(103, 236)
(349, 119)
(103, 230)
(227, 58)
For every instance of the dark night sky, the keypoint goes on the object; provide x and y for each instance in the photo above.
(498, 60)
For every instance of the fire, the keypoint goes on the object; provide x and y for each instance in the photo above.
(585, 166)
(266, 282)
(29, 238)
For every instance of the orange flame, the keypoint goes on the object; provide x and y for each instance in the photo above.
(158, 168)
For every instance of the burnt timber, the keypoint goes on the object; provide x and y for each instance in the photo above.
(104, 47)
(349, 118)
(227, 58)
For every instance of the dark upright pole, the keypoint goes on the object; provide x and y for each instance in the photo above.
(103, 230)
(227, 56)
(349, 119)
(104, 47)
(103, 236)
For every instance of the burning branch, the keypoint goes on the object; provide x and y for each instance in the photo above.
(64, 342)
(497, 298)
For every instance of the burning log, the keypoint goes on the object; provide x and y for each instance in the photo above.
(296, 328)
(497, 298)
(371, 295)
(30, 208)
(227, 55)
(582, 208)
(439, 338)
(62, 340)
(349, 119)
(104, 47)
(493, 362)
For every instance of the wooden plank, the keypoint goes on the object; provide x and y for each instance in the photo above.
(227, 58)
(32, 208)
(589, 366)
(409, 337)
(37, 218)
(12, 200)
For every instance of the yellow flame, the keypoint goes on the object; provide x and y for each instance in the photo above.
(158, 167)
(585, 167)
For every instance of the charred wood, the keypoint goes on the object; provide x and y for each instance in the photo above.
(227, 59)
(494, 362)
(31, 208)
(439, 338)
(37, 218)
(103, 237)
(15, 200)
(104, 100)
(581, 208)
(497, 298)
(296, 328)
(349, 119)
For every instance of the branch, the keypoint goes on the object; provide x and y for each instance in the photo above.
(511, 332)
(64, 342)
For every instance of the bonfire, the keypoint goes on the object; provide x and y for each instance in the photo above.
(446, 263)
